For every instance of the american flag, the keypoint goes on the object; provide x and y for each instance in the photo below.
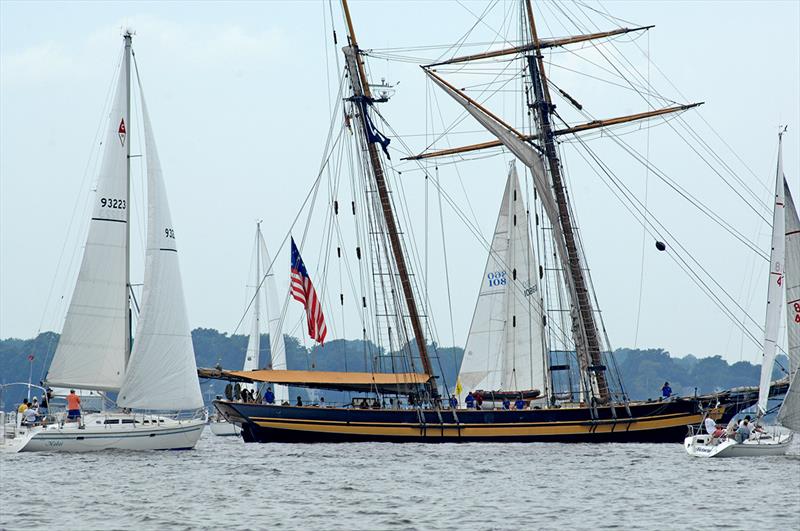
(303, 291)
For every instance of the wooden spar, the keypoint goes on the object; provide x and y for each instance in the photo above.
(545, 43)
(474, 103)
(588, 126)
(586, 336)
(361, 89)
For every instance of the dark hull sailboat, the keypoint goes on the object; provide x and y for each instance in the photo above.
(516, 332)
(648, 422)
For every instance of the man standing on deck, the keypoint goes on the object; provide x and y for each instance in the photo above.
(269, 396)
(666, 391)
(470, 401)
(453, 402)
(73, 406)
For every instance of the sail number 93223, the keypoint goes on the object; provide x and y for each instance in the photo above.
(109, 202)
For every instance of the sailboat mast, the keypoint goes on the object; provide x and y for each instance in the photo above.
(128, 321)
(361, 91)
(587, 338)
(257, 302)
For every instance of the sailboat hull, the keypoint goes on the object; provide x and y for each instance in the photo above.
(649, 422)
(701, 446)
(167, 434)
(223, 428)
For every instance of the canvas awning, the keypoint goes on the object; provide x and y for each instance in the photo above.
(339, 381)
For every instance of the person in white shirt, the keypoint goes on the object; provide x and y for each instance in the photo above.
(30, 416)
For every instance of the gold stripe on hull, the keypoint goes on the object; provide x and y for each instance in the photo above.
(480, 430)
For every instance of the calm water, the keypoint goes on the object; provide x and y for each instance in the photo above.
(225, 483)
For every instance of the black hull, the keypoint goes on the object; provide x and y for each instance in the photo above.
(649, 422)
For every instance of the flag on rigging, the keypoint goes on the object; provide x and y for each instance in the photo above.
(304, 292)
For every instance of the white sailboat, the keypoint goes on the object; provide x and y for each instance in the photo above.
(504, 355)
(158, 373)
(785, 249)
(263, 282)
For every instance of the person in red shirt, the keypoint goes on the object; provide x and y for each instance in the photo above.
(73, 406)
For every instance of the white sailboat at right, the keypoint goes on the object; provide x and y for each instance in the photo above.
(784, 274)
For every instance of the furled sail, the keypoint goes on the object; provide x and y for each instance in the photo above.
(504, 348)
(792, 279)
(774, 289)
(277, 341)
(93, 345)
(525, 153)
(162, 373)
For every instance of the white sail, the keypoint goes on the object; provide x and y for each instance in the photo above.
(504, 348)
(792, 279)
(92, 349)
(525, 153)
(774, 289)
(789, 414)
(251, 357)
(162, 373)
(277, 342)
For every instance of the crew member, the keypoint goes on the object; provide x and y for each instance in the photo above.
(470, 400)
(73, 406)
(269, 396)
(666, 391)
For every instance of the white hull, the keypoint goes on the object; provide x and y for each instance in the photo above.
(223, 428)
(700, 446)
(159, 433)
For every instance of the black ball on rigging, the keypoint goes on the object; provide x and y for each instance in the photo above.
(661, 246)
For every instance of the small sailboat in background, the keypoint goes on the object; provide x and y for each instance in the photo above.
(784, 267)
(156, 373)
(505, 356)
(263, 282)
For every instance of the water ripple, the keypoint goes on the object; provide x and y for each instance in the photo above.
(227, 484)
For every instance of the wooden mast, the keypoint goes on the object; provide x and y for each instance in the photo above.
(587, 338)
(362, 92)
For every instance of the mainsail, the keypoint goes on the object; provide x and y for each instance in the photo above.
(162, 373)
(91, 352)
(253, 352)
(792, 280)
(775, 287)
(789, 414)
(505, 347)
(277, 342)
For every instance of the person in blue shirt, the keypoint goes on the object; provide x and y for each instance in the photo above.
(519, 404)
(506, 403)
(453, 402)
(269, 396)
(666, 391)
(470, 401)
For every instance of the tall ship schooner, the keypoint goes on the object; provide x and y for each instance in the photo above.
(561, 393)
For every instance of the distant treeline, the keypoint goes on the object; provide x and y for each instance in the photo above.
(643, 371)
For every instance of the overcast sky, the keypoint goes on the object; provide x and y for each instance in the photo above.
(239, 98)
